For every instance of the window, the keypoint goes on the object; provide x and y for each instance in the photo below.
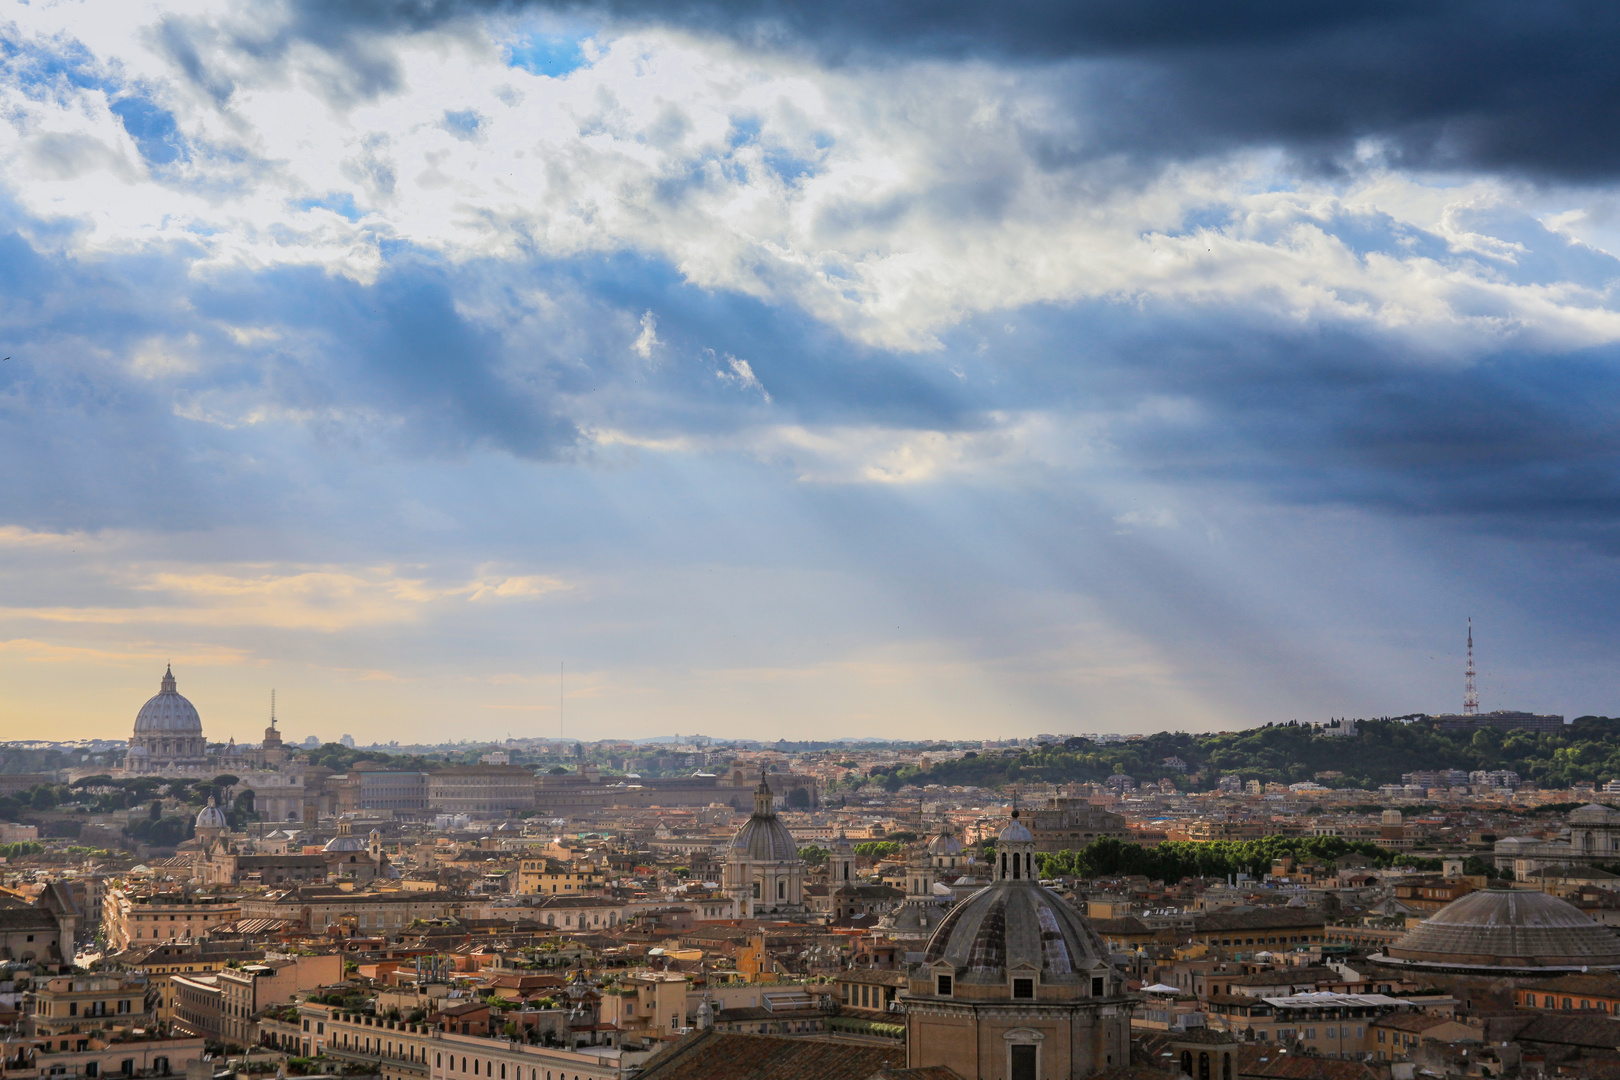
(1566, 1003)
(1380, 1034)
(942, 985)
(1360, 1030)
(1023, 988)
(1332, 1033)
(1096, 986)
(1529, 999)
(1023, 1062)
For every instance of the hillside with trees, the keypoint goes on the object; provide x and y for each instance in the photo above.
(1588, 749)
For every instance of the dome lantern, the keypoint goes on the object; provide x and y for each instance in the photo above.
(1015, 852)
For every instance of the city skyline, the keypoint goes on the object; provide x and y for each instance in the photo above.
(781, 372)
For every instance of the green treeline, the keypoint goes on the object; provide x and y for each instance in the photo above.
(1174, 861)
(1588, 749)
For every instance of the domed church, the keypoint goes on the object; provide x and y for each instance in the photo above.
(764, 874)
(1015, 984)
(168, 733)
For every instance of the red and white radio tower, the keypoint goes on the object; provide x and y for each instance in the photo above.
(1470, 692)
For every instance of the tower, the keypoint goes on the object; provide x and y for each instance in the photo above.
(1470, 694)
(841, 861)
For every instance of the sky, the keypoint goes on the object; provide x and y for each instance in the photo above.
(767, 369)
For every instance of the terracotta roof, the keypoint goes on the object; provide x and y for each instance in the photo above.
(1274, 919)
(930, 1072)
(1572, 1029)
(1592, 985)
(1272, 1064)
(715, 1055)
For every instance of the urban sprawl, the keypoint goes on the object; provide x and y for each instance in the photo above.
(1360, 899)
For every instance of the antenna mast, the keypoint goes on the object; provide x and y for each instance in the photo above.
(272, 706)
(1470, 692)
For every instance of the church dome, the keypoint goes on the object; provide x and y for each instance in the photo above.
(945, 844)
(1013, 923)
(345, 843)
(765, 839)
(168, 712)
(210, 817)
(1508, 929)
(1015, 833)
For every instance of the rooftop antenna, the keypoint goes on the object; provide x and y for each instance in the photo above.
(1470, 693)
(272, 706)
(560, 664)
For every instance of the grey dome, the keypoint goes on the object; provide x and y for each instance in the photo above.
(168, 712)
(944, 844)
(1012, 923)
(1015, 833)
(345, 843)
(841, 844)
(765, 839)
(210, 817)
(1508, 928)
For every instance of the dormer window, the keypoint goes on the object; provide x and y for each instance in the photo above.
(1023, 989)
(942, 985)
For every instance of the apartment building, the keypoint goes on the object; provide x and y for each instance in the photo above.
(246, 989)
(317, 909)
(159, 963)
(75, 1005)
(543, 877)
(136, 1056)
(130, 918)
(404, 1051)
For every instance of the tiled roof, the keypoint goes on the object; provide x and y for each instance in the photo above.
(1572, 1029)
(929, 1072)
(1606, 985)
(715, 1055)
(1269, 1063)
(1275, 919)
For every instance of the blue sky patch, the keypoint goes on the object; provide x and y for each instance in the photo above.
(153, 129)
(339, 202)
(552, 57)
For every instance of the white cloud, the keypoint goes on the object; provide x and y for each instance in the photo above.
(890, 204)
(647, 340)
(739, 373)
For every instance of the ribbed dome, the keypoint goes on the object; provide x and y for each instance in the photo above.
(168, 712)
(1508, 928)
(765, 839)
(210, 817)
(1015, 832)
(345, 843)
(944, 844)
(1012, 923)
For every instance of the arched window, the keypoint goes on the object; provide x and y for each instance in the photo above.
(781, 890)
(1203, 1065)
(1186, 1062)
(1226, 1067)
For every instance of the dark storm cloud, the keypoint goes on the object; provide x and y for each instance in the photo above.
(1528, 89)
(1511, 442)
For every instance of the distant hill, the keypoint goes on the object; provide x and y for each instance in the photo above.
(1588, 749)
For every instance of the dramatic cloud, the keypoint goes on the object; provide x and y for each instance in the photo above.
(1129, 364)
